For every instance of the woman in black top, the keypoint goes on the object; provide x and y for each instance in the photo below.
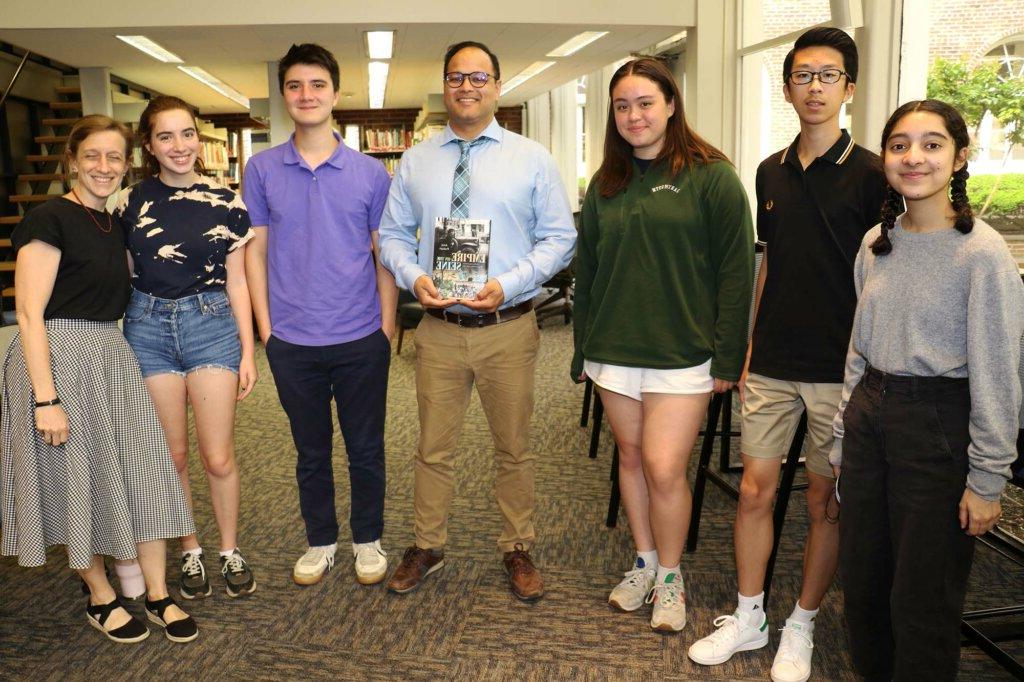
(83, 461)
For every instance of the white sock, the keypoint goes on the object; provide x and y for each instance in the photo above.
(646, 559)
(803, 616)
(226, 553)
(197, 551)
(752, 607)
(669, 575)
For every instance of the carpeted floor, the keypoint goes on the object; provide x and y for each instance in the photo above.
(463, 623)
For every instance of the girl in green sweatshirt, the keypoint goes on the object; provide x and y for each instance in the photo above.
(664, 271)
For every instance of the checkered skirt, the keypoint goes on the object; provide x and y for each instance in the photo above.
(113, 484)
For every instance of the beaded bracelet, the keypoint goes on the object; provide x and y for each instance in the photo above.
(47, 403)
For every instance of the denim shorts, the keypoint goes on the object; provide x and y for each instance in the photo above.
(178, 336)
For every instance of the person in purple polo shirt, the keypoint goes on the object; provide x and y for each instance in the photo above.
(325, 308)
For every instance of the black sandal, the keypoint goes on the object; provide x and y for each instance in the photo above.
(184, 630)
(132, 631)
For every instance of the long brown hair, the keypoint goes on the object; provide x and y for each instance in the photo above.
(682, 146)
(158, 105)
(83, 128)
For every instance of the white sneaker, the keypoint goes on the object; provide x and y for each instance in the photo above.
(629, 595)
(669, 601)
(793, 659)
(734, 633)
(371, 562)
(312, 565)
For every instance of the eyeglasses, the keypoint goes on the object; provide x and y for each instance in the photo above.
(828, 76)
(477, 79)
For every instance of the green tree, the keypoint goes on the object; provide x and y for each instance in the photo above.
(974, 91)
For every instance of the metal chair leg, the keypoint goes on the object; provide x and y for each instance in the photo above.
(700, 482)
(595, 432)
(588, 390)
(614, 498)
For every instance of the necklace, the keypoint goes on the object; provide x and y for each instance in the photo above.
(110, 219)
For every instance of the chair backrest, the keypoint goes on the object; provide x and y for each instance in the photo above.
(758, 258)
(1018, 466)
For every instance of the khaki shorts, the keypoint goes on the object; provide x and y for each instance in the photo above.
(770, 414)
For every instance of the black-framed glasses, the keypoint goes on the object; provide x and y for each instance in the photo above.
(828, 76)
(478, 79)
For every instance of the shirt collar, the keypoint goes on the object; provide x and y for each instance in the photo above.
(493, 131)
(837, 153)
(292, 156)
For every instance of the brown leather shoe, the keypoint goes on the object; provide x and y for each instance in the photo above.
(523, 576)
(416, 565)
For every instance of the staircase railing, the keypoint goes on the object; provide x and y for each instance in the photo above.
(14, 78)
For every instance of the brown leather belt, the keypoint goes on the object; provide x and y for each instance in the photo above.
(481, 319)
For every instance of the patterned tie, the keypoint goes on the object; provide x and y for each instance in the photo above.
(460, 185)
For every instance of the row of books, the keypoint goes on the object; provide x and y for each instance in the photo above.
(387, 139)
(215, 155)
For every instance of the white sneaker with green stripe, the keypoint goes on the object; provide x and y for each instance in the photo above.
(669, 599)
(738, 632)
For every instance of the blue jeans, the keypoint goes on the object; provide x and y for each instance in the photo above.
(179, 336)
(355, 374)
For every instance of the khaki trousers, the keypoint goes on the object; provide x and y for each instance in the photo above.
(500, 360)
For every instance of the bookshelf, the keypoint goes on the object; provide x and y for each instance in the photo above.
(386, 144)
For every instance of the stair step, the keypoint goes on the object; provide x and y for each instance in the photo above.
(10, 219)
(8, 292)
(58, 122)
(41, 177)
(5, 243)
(6, 266)
(32, 198)
(68, 90)
(56, 106)
(51, 139)
(42, 158)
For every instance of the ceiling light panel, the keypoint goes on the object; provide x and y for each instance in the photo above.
(380, 44)
(576, 43)
(378, 83)
(159, 52)
(524, 75)
(214, 83)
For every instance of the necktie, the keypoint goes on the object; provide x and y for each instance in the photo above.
(460, 185)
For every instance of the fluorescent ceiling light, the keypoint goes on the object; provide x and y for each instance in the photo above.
(215, 83)
(671, 40)
(378, 83)
(524, 75)
(577, 43)
(379, 44)
(152, 49)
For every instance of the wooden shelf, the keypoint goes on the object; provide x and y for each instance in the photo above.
(373, 152)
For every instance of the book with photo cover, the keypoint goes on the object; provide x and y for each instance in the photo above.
(461, 253)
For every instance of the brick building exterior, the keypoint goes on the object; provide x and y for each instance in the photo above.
(971, 28)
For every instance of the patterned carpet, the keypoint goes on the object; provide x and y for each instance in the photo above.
(463, 623)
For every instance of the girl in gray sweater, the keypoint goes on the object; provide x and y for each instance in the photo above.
(927, 426)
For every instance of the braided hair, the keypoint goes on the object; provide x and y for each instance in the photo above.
(894, 204)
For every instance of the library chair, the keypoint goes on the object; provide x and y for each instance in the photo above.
(410, 312)
(1010, 547)
(559, 302)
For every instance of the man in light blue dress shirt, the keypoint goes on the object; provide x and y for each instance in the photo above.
(490, 341)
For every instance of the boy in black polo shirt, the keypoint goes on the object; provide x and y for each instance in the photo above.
(816, 199)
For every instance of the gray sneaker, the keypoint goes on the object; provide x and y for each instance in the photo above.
(238, 577)
(193, 583)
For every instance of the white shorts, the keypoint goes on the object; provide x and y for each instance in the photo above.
(635, 381)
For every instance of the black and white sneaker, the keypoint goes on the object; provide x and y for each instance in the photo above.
(193, 582)
(239, 579)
